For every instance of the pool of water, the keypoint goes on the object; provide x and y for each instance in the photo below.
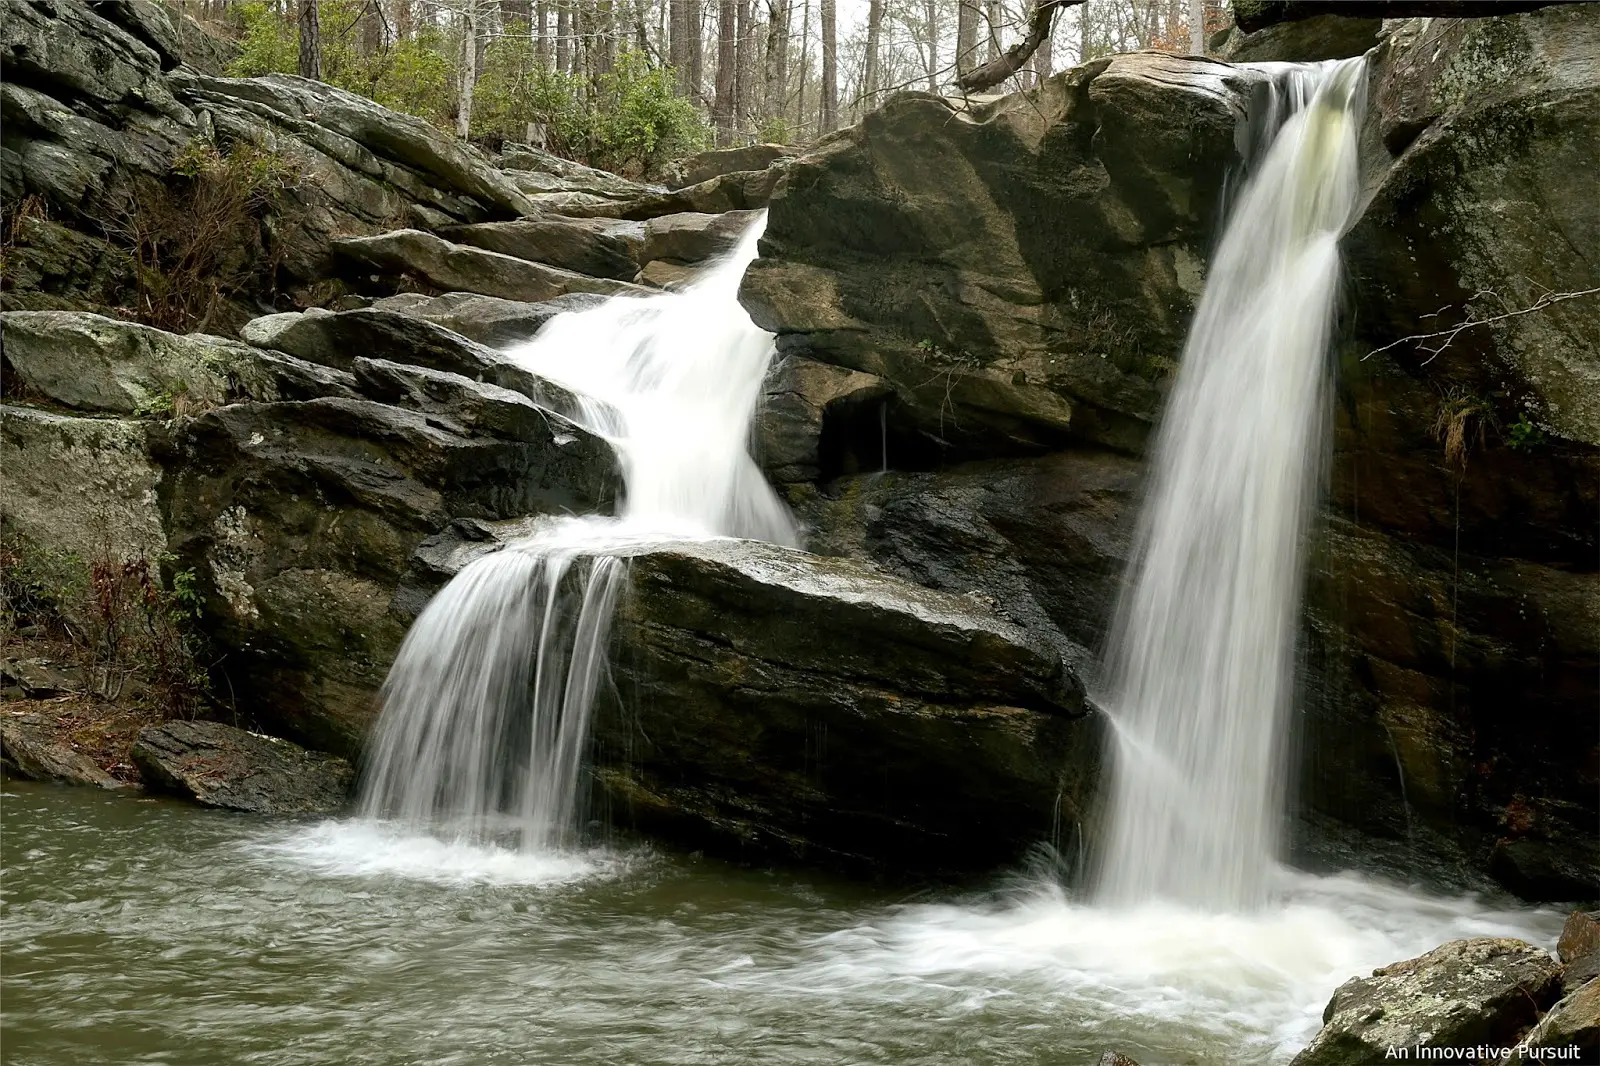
(145, 931)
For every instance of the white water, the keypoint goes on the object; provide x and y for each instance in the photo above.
(1200, 664)
(486, 709)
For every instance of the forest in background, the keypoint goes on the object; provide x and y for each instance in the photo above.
(630, 84)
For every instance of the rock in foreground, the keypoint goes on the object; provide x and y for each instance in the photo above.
(1462, 994)
(219, 766)
(781, 705)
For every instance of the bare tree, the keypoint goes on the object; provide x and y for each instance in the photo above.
(564, 36)
(932, 38)
(467, 79)
(828, 117)
(994, 20)
(805, 62)
(310, 41)
(1197, 27)
(966, 34)
(777, 72)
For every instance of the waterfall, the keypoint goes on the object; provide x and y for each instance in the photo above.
(486, 710)
(1199, 667)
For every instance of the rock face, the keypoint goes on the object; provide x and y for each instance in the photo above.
(1451, 588)
(217, 765)
(780, 705)
(1462, 994)
(445, 267)
(1022, 272)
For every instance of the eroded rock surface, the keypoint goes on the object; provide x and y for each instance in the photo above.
(217, 765)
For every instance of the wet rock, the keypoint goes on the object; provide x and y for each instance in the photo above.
(781, 705)
(1116, 1058)
(487, 319)
(447, 267)
(28, 750)
(693, 237)
(1305, 40)
(1570, 1032)
(662, 274)
(599, 247)
(806, 401)
(299, 520)
(1461, 994)
(217, 765)
(477, 408)
(1022, 272)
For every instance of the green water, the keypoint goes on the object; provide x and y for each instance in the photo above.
(145, 931)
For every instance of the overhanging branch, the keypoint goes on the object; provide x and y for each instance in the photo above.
(1010, 61)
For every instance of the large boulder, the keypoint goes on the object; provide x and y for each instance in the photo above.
(1463, 994)
(488, 320)
(1570, 1032)
(706, 166)
(777, 704)
(217, 765)
(1021, 270)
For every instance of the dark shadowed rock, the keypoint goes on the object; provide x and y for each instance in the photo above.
(807, 401)
(778, 704)
(1461, 994)
(446, 267)
(1570, 1032)
(219, 766)
(600, 247)
(1304, 40)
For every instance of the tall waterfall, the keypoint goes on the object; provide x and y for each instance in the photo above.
(1200, 666)
(486, 710)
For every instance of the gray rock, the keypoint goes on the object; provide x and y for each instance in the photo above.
(664, 274)
(1461, 994)
(1304, 40)
(706, 166)
(599, 247)
(86, 486)
(27, 750)
(441, 265)
(782, 705)
(693, 237)
(488, 320)
(804, 400)
(217, 765)
(526, 162)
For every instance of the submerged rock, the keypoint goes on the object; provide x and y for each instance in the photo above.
(217, 765)
(1462, 994)
(780, 705)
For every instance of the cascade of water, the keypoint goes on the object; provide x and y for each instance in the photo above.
(486, 710)
(1199, 667)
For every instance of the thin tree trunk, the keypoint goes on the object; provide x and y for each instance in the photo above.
(678, 43)
(869, 76)
(931, 11)
(1044, 58)
(310, 41)
(744, 68)
(966, 35)
(371, 29)
(994, 19)
(1040, 25)
(727, 80)
(1197, 27)
(805, 62)
(402, 20)
(1083, 34)
(468, 83)
(697, 50)
(541, 32)
(828, 119)
(564, 36)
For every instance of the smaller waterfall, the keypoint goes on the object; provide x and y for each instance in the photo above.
(486, 710)
(1200, 663)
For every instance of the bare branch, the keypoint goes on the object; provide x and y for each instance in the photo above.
(1446, 336)
(1011, 60)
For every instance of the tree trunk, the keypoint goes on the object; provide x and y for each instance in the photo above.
(402, 20)
(310, 41)
(541, 32)
(869, 76)
(564, 36)
(994, 18)
(1083, 35)
(777, 87)
(805, 62)
(931, 12)
(468, 82)
(828, 119)
(744, 68)
(727, 80)
(1044, 58)
(1197, 27)
(697, 49)
(966, 35)
(371, 29)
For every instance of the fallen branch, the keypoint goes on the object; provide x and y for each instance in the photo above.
(1010, 61)
(1446, 336)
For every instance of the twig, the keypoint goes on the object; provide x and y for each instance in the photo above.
(1449, 335)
